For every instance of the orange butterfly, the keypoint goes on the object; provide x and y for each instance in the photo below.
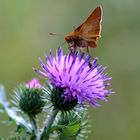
(87, 34)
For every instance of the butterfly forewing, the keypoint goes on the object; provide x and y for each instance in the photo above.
(92, 26)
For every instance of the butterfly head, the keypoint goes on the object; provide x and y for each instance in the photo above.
(70, 41)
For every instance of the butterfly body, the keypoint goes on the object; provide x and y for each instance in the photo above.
(75, 40)
(87, 34)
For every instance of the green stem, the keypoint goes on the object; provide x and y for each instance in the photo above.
(36, 133)
(46, 132)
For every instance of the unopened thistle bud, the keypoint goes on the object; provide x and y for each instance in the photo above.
(29, 97)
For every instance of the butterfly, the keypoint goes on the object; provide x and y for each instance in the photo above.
(88, 33)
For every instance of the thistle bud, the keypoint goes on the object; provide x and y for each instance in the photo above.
(29, 97)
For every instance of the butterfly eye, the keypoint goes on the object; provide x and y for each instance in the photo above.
(70, 42)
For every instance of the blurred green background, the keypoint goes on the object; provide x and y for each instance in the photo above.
(24, 28)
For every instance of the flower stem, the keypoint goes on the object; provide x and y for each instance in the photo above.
(46, 132)
(36, 133)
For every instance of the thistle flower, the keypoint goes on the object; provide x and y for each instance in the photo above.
(72, 74)
(29, 97)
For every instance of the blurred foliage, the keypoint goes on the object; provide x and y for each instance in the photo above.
(24, 28)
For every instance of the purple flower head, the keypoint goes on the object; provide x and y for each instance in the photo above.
(34, 83)
(78, 80)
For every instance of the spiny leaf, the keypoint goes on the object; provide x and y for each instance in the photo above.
(70, 130)
(71, 126)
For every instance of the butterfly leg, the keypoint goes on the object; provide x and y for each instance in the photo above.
(88, 50)
(74, 49)
(81, 50)
(89, 63)
(70, 46)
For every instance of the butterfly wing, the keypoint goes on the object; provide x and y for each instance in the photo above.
(90, 30)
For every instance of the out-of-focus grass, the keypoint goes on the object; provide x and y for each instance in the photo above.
(24, 28)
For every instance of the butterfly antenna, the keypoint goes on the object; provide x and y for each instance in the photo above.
(58, 35)
(55, 34)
